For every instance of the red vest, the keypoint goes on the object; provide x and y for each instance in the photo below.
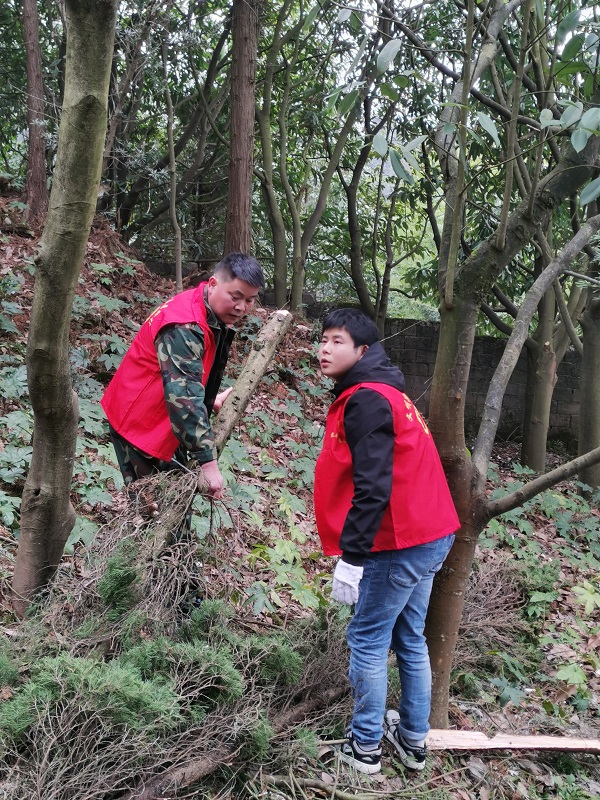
(420, 508)
(134, 401)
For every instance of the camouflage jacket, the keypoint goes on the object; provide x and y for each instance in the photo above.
(189, 404)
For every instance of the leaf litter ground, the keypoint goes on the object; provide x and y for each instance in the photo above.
(528, 657)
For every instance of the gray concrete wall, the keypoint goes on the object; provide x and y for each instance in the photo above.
(412, 345)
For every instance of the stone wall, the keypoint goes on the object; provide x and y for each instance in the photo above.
(412, 345)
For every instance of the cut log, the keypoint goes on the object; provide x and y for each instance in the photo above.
(255, 367)
(474, 740)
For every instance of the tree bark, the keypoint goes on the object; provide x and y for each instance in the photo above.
(541, 380)
(466, 476)
(254, 368)
(36, 188)
(238, 223)
(47, 516)
(267, 178)
(447, 408)
(589, 415)
(172, 170)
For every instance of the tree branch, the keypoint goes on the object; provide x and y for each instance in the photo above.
(493, 403)
(566, 317)
(254, 368)
(496, 507)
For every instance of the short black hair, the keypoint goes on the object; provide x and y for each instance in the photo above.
(239, 265)
(361, 328)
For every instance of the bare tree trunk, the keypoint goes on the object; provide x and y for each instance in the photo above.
(446, 416)
(47, 516)
(255, 367)
(172, 170)
(589, 415)
(466, 476)
(238, 224)
(36, 190)
(356, 249)
(541, 380)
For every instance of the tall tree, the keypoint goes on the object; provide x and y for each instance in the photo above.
(498, 40)
(46, 512)
(244, 33)
(36, 187)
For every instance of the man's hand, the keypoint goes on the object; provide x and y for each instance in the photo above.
(211, 480)
(220, 398)
(346, 579)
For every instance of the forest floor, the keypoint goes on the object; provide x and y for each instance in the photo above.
(528, 660)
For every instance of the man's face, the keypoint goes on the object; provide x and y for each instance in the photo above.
(338, 354)
(230, 299)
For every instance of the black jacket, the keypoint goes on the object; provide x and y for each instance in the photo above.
(369, 430)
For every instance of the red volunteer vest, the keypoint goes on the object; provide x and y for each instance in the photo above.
(420, 508)
(134, 401)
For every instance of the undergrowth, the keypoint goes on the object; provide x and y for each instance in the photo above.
(148, 651)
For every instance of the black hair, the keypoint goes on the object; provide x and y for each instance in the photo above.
(361, 328)
(239, 265)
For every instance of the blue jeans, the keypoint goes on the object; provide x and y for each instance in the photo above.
(390, 613)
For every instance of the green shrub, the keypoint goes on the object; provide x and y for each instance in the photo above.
(114, 691)
(9, 673)
(210, 616)
(117, 585)
(276, 658)
(207, 675)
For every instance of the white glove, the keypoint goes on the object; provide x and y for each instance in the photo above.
(346, 579)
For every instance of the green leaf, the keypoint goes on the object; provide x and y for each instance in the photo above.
(572, 674)
(579, 139)
(389, 92)
(409, 158)
(399, 168)
(401, 81)
(508, 692)
(449, 127)
(546, 118)
(388, 54)
(84, 531)
(572, 48)
(332, 100)
(348, 102)
(7, 324)
(567, 24)
(488, 124)
(357, 57)
(571, 114)
(380, 144)
(311, 16)
(591, 192)
(589, 595)
(591, 119)
(414, 143)
(477, 138)
(563, 73)
(109, 303)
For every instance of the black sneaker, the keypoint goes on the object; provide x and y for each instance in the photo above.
(412, 757)
(367, 761)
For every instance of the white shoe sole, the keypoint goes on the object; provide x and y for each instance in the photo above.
(391, 719)
(359, 766)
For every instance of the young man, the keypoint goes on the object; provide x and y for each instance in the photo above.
(159, 402)
(383, 504)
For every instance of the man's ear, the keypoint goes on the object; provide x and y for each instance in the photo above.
(363, 349)
(212, 281)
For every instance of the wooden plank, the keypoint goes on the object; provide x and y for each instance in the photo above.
(474, 740)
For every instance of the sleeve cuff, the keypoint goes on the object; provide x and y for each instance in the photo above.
(205, 456)
(355, 559)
